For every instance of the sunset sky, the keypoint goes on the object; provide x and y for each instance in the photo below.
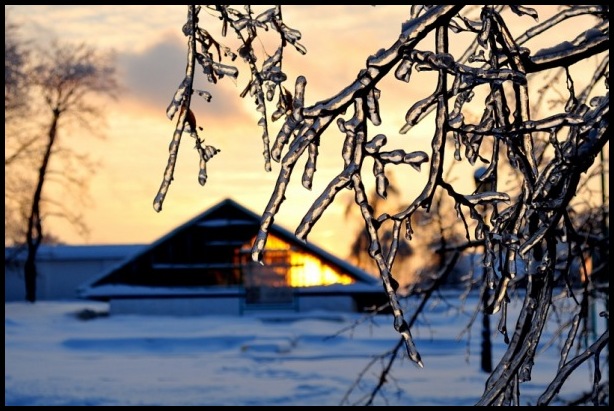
(151, 53)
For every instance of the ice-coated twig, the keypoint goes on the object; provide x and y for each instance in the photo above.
(182, 101)
(538, 149)
(593, 351)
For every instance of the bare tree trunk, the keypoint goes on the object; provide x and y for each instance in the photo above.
(34, 236)
(486, 356)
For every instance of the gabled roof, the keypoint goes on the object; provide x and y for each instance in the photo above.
(229, 210)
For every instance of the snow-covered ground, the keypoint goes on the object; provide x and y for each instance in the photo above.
(52, 357)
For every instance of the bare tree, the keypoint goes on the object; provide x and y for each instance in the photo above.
(493, 106)
(21, 143)
(65, 77)
(15, 78)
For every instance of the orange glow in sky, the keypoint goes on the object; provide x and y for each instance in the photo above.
(151, 62)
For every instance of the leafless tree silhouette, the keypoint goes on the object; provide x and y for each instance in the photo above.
(499, 105)
(47, 88)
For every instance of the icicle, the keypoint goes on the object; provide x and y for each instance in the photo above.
(381, 181)
(273, 61)
(278, 113)
(415, 159)
(477, 57)
(347, 152)
(258, 246)
(265, 142)
(511, 266)
(202, 172)
(283, 136)
(403, 328)
(409, 231)
(373, 107)
(487, 260)
(535, 239)
(479, 231)
(292, 36)
(229, 53)
(503, 216)
(276, 76)
(403, 70)
(267, 15)
(415, 11)
(299, 98)
(178, 98)
(486, 176)
(240, 24)
(310, 166)
(523, 10)
(511, 157)
(502, 327)
(487, 197)
(485, 32)
(321, 204)
(459, 213)
(270, 92)
(225, 70)
(394, 156)
(374, 145)
(455, 119)
(204, 94)
(206, 153)
(417, 111)
(457, 146)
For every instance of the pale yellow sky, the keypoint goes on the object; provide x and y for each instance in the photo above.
(151, 57)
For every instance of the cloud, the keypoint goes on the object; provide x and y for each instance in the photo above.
(153, 75)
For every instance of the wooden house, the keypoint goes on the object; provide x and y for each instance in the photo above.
(205, 266)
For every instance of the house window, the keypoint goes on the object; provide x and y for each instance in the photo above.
(284, 265)
(306, 270)
(274, 272)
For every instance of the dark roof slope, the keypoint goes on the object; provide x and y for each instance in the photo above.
(229, 213)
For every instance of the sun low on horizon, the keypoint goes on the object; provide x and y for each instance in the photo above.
(151, 60)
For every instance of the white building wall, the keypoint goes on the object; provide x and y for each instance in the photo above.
(335, 303)
(56, 280)
(60, 275)
(176, 306)
(232, 305)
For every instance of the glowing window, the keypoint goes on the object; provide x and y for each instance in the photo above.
(300, 269)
